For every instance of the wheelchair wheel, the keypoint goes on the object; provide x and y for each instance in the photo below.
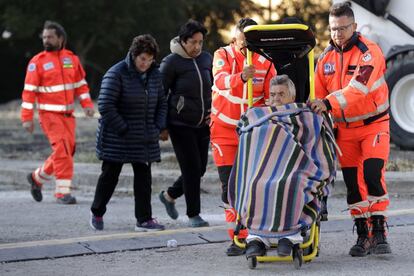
(297, 255)
(252, 262)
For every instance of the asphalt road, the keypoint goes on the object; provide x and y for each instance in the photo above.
(210, 260)
(24, 222)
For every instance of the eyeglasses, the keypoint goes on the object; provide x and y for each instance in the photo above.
(340, 29)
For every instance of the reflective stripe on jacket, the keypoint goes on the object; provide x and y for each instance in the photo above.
(53, 79)
(230, 92)
(353, 82)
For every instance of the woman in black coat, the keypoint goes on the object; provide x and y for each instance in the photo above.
(187, 80)
(133, 112)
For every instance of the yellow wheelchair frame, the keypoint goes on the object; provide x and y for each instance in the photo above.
(297, 256)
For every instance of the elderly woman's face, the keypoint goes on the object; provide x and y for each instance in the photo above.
(194, 45)
(279, 95)
(143, 62)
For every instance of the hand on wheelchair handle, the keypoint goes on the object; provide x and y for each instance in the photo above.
(317, 106)
(248, 72)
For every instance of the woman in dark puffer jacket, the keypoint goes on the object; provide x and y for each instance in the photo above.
(133, 114)
(187, 80)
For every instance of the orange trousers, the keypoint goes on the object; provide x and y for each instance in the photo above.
(365, 153)
(231, 219)
(59, 129)
(224, 143)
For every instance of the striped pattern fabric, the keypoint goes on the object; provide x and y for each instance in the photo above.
(285, 162)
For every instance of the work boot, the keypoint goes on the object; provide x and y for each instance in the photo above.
(255, 248)
(362, 246)
(36, 189)
(379, 244)
(65, 199)
(234, 250)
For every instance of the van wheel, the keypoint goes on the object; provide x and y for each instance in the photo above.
(400, 80)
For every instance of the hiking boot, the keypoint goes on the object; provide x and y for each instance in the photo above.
(379, 244)
(169, 206)
(284, 247)
(66, 199)
(149, 226)
(96, 222)
(35, 190)
(255, 248)
(362, 245)
(234, 250)
(197, 221)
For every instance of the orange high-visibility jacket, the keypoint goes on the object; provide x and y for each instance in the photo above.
(53, 79)
(229, 99)
(352, 81)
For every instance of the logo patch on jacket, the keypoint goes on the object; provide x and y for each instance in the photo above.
(48, 66)
(67, 63)
(31, 67)
(220, 63)
(258, 80)
(367, 57)
(329, 68)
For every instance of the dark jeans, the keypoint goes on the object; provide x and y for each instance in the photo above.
(191, 149)
(109, 179)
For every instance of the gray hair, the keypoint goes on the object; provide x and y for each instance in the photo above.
(284, 80)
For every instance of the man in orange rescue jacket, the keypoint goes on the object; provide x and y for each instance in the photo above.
(229, 101)
(54, 78)
(350, 85)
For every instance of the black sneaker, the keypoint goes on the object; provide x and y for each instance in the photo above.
(169, 206)
(149, 226)
(234, 250)
(96, 222)
(66, 199)
(255, 248)
(35, 189)
(284, 247)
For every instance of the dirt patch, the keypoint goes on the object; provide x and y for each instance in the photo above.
(16, 143)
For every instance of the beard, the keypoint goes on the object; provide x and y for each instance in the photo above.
(50, 47)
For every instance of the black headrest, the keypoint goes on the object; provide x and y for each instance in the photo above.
(272, 43)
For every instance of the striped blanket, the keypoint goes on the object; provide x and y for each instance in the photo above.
(285, 161)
